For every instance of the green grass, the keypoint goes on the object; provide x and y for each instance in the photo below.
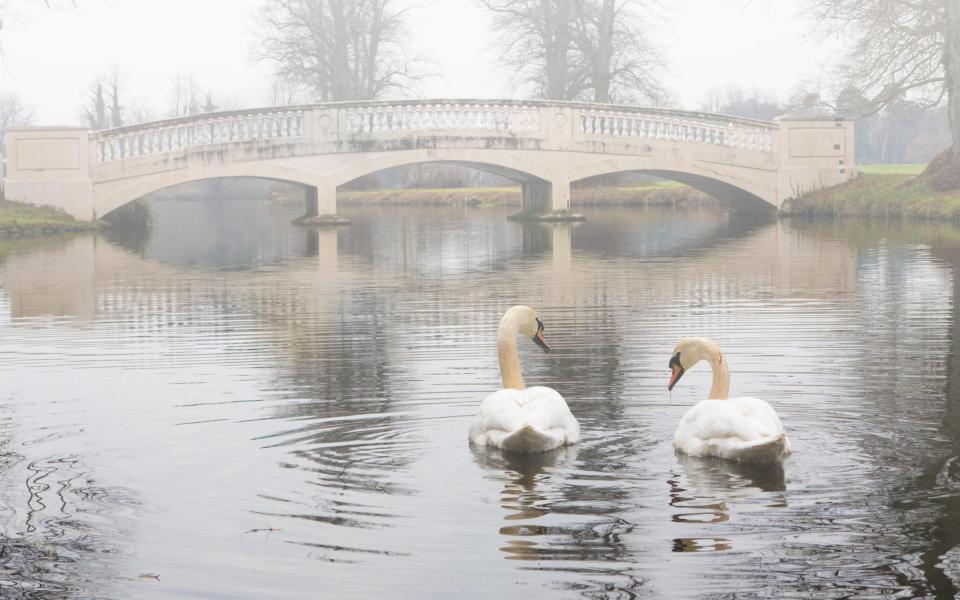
(891, 169)
(880, 195)
(432, 197)
(660, 192)
(24, 219)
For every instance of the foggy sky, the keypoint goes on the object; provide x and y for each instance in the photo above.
(50, 57)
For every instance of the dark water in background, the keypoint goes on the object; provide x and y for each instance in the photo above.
(237, 408)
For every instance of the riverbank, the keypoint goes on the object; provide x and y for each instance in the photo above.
(18, 219)
(660, 194)
(889, 191)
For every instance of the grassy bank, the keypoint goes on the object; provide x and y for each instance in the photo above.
(499, 196)
(667, 193)
(904, 169)
(18, 219)
(659, 194)
(890, 191)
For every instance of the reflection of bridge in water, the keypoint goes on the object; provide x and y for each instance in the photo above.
(87, 277)
(545, 146)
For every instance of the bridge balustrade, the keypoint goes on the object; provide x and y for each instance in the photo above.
(662, 126)
(433, 117)
(517, 118)
(119, 144)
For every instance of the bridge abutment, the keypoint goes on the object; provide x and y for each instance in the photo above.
(49, 166)
(816, 152)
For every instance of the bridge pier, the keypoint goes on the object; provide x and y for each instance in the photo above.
(320, 204)
(546, 201)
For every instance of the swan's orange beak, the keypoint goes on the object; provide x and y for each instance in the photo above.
(538, 340)
(675, 374)
(676, 371)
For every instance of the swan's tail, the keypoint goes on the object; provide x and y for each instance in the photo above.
(767, 450)
(530, 439)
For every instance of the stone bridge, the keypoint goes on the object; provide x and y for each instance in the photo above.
(543, 145)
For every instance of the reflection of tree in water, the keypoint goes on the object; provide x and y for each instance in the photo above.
(58, 525)
(939, 519)
(666, 233)
(131, 226)
(338, 371)
(220, 223)
(439, 242)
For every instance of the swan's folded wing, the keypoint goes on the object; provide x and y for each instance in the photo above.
(500, 413)
(739, 428)
(548, 412)
(537, 418)
(746, 419)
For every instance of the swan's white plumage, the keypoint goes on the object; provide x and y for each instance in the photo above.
(746, 429)
(517, 418)
(743, 429)
(535, 419)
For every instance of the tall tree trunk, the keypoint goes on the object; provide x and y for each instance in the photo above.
(556, 23)
(116, 119)
(604, 56)
(951, 59)
(342, 80)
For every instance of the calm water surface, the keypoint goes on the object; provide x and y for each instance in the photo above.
(237, 408)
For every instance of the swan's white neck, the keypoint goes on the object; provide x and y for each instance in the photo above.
(720, 388)
(509, 357)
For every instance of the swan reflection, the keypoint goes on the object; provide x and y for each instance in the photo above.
(528, 480)
(705, 489)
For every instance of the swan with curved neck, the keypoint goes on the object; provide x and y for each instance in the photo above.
(517, 418)
(745, 429)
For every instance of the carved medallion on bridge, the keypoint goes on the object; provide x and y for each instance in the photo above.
(559, 119)
(324, 123)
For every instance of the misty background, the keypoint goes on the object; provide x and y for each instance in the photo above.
(107, 64)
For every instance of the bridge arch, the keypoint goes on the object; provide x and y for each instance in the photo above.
(744, 190)
(140, 187)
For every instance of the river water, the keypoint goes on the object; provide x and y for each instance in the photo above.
(233, 407)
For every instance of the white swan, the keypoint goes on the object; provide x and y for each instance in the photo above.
(519, 419)
(745, 429)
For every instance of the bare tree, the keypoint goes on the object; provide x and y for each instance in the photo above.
(94, 111)
(185, 94)
(140, 111)
(620, 61)
(951, 60)
(8, 8)
(13, 113)
(537, 37)
(739, 102)
(114, 80)
(579, 49)
(286, 93)
(900, 49)
(340, 49)
(102, 107)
